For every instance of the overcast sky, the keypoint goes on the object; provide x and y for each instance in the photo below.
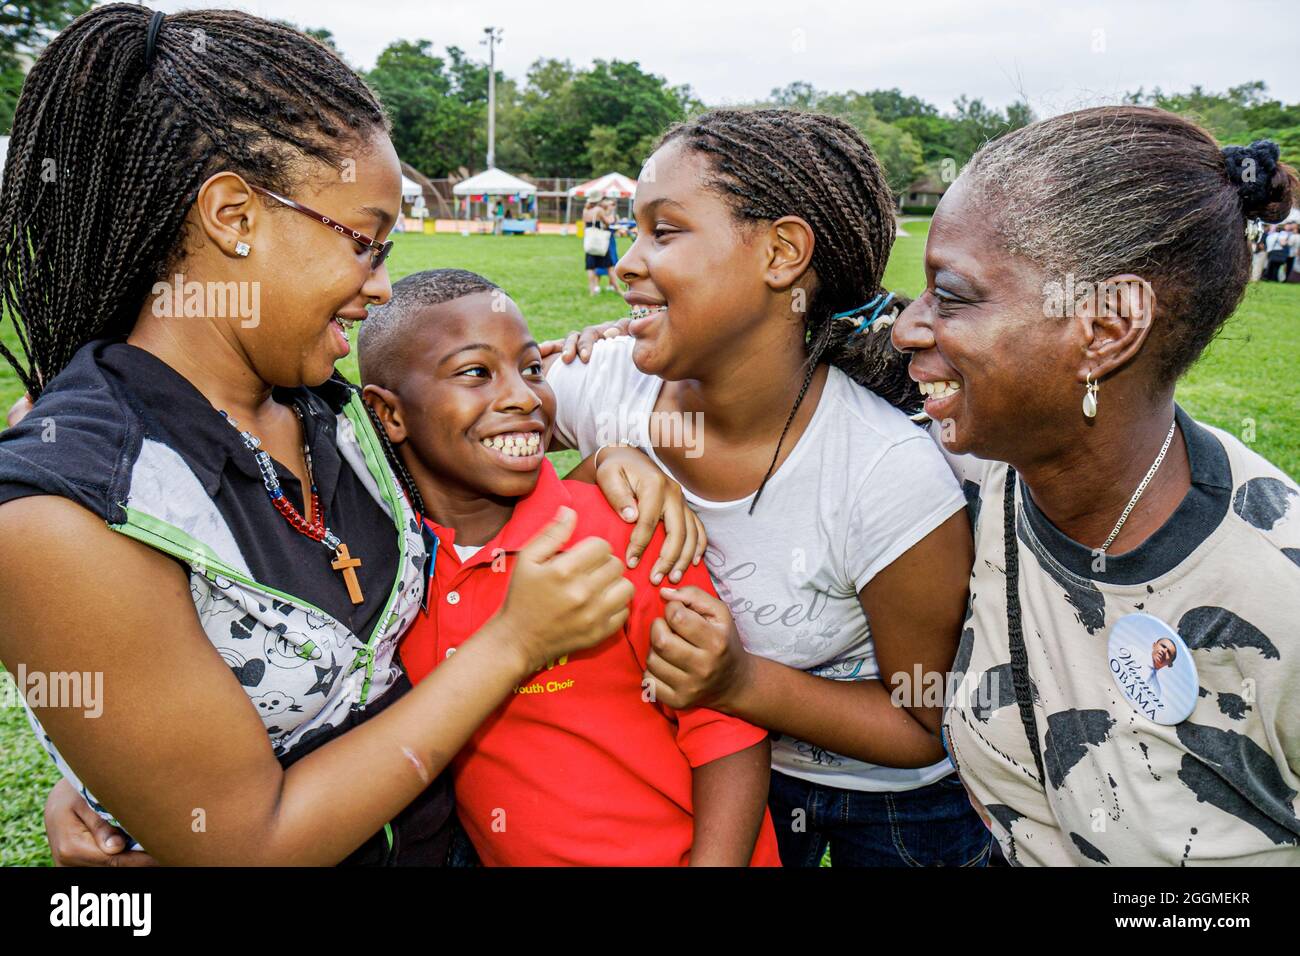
(1060, 55)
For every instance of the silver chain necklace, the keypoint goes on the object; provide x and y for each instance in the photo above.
(1155, 466)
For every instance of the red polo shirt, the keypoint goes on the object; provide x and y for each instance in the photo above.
(576, 768)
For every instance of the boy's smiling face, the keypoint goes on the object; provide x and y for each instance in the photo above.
(475, 407)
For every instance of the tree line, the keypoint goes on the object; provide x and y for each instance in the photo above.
(565, 120)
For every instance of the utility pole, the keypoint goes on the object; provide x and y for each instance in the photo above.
(493, 37)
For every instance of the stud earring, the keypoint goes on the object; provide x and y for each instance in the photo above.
(241, 249)
(1090, 397)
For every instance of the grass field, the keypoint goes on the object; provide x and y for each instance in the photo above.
(1247, 384)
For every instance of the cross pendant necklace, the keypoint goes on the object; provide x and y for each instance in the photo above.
(313, 526)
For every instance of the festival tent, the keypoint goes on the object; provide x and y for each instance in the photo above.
(492, 182)
(611, 185)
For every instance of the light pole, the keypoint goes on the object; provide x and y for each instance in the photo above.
(492, 38)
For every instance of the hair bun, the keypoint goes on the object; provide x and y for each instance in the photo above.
(1263, 184)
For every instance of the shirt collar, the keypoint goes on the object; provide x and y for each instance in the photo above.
(177, 414)
(532, 513)
(1196, 518)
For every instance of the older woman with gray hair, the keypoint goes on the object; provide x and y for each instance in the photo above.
(1076, 269)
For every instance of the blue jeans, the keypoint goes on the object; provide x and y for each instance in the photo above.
(461, 852)
(929, 826)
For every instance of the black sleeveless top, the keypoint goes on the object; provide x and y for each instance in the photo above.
(78, 442)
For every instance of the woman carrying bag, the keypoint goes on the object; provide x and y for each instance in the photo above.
(597, 241)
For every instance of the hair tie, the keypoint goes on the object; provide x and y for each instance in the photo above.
(876, 305)
(1251, 168)
(151, 37)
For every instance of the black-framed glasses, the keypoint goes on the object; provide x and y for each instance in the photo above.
(378, 250)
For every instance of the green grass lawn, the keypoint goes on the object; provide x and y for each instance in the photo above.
(1247, 383)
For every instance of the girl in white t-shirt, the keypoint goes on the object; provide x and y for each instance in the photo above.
(837, 533)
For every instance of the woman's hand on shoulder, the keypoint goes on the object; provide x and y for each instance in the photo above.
(561, 601)
(578, 344)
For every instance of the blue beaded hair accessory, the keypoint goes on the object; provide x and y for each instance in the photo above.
(871, 311)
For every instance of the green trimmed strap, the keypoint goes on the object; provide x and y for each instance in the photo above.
(379, 469)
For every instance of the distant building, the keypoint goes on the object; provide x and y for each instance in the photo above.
(925, 192)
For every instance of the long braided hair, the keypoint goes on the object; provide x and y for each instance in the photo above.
(395, 461)
(773, 163)
(110, 146)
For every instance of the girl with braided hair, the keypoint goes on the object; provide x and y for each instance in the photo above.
(197, 507)
(759, 374)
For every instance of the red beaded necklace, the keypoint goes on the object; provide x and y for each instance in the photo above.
(313, 526)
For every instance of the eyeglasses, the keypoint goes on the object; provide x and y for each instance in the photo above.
(378, 250)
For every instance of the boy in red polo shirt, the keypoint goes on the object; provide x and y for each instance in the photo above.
(581, 766)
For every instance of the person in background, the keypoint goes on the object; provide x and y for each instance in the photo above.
(1276, 246)
(596, 216)
(609, 206)
(1258, 256)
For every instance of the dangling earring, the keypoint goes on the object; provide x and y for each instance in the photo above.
(241, 249)
(1090, 397)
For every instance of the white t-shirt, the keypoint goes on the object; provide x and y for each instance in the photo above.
(861, 487)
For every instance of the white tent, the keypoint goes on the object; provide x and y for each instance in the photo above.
(4, 151)
(410, 189)
(492, 182)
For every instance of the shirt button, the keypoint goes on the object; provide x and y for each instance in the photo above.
(453, 597)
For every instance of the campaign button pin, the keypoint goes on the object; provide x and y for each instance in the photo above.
(1153, 668)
